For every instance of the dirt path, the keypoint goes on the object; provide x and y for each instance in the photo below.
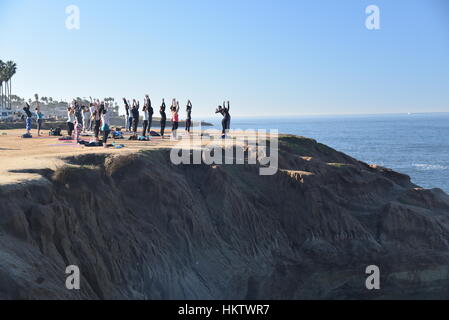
(17, 154)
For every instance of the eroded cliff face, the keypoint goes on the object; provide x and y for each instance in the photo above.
(139, 227)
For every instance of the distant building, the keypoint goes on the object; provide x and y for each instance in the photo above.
(6, 113)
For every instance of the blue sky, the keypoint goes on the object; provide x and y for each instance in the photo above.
(268, 57)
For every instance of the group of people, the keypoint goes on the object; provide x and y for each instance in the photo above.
(96, 118)
(133, 116)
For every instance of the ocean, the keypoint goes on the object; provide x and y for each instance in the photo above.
(414, 144)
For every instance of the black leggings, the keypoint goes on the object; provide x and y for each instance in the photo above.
(70, 128)
(39, 124)
(174, 128)
(97, 128)
(145, 127)
(188, 124)
(135, 124)
(163, 124)
(225, 123)
(106, 136)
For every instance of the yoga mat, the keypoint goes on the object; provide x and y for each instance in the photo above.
(64, 145)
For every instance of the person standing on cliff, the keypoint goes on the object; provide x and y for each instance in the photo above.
(130, 119)
(226, 122)
(150, 112)
(78, 125)
(105, 127)
(136, 116)
(86, 117)
(40, 119)
(145, 119)
(29, 118)
(91, 113)
(163, 118)
(175, 119)
(127, 116)
(70, 119)
(96, 117)
(189, 116)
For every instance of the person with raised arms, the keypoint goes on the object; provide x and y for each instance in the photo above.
(135, 115)
(189, 116)
(163, 118)
(175, 118)
(226, 122)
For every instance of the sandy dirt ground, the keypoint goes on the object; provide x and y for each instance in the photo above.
(17, 154)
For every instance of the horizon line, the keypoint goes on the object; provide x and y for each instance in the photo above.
(333, 114)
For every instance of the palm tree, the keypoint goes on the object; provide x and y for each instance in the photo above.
(2, 79)
(12, 69)
(7, 71)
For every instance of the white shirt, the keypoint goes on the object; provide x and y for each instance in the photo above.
(145, 115)
(71, 117)
(86, 114)
(105, 118)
